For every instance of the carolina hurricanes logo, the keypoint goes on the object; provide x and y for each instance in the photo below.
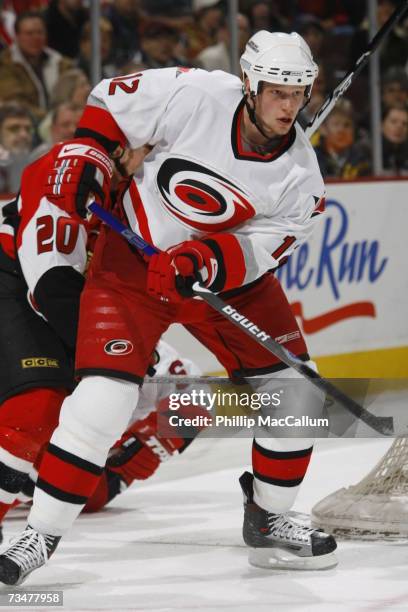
(118, 347)
(201, 198)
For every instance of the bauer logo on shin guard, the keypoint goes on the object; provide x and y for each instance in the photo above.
(118, 347)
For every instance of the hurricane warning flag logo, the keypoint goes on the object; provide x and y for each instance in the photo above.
(201, 198)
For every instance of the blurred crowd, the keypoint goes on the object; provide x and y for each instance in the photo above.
(45, 59)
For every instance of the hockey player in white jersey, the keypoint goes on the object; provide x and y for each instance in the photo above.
(230, 188)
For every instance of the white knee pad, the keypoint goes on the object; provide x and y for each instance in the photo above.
(95, 416)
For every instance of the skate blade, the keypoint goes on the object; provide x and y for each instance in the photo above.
(278, 558)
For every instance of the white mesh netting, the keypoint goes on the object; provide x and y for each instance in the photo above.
(374, 508)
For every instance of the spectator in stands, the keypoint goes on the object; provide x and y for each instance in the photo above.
(315, 35)
(395, 140)
(74, 87)
(160, 8)
(135, 65)
(29, 69)
(337, 153)
(64, 120)
(208, 16)
(176, 14)
(158, 42)
(16, 139)
(65, 19)
(217, 57)
(22, 6)
(394, 88)
(85, 45)
(332, 14)
(318, 96)
(393, 51)
(7, 19)
(126, 18)
(264, 15)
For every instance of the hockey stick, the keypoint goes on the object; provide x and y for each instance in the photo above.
(342, 87)
(383, 425)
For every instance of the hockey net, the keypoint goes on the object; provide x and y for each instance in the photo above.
(374, 508)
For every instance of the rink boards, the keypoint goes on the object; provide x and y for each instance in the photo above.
(348, 285)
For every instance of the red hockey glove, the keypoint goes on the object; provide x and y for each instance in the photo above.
(139, 452)
(133, 460)
(82, 169)
(141, 449)
(217, 261)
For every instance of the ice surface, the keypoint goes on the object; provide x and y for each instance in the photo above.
(173, 543)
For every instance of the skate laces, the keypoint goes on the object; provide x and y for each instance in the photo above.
(30, 549)
(283, 527)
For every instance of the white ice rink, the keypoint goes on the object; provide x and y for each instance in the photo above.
(173, 543)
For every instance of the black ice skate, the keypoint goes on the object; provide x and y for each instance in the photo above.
(28, 552)
(279, 541)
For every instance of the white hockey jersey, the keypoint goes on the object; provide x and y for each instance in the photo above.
(198, 179)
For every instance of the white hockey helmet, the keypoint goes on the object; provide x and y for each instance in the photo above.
(279, 58)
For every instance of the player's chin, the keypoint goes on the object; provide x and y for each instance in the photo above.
(277, 128)
(283, 126)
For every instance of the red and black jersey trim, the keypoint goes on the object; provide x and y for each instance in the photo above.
(236, 141)
(106, 143)
(280, 468)
(99, 124)
(67, 477)
(320, 206)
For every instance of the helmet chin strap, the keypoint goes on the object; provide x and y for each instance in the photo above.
(252, 115)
